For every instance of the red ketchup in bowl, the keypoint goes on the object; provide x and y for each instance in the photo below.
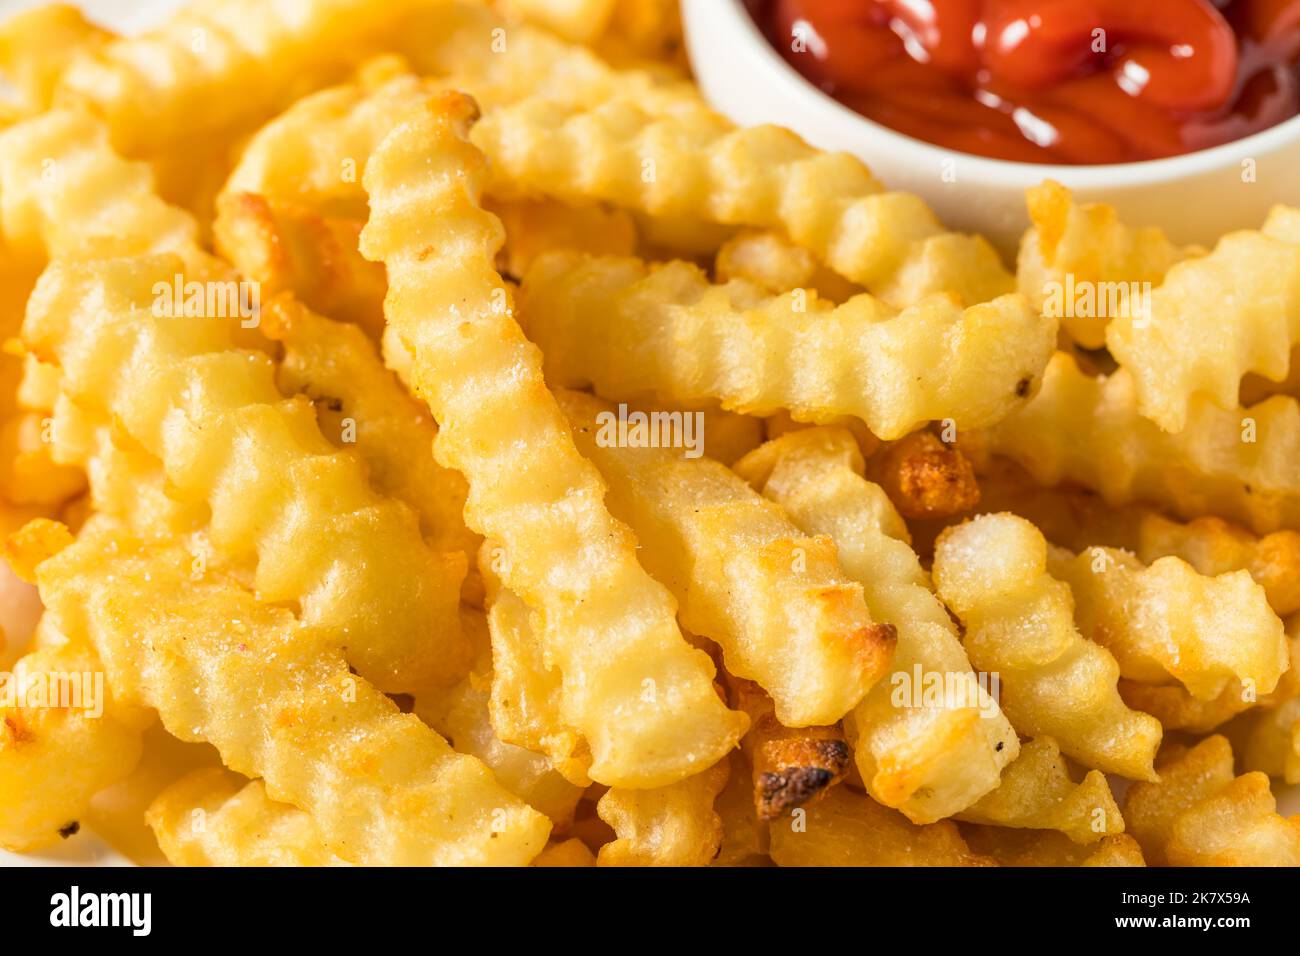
(1051, 81)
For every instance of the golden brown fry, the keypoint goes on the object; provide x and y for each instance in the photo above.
(1073, 250)
(1166, 622)
(462, 43)
(925, 478)
(124, 480)
(1213, 320)
(382, 787)
(283, 498)
(674, 825)
(1269, 739)
(768, 260)
(1049, 848)
(992, 572)
(29, 473)
(534, 227)
(578, 20)
(288, 247)
(64, 192)
(526, 698)
(774, 599)
(1233, 463)
(1199, 814)
(1078, 520)
(1038, 792)
(571, 852)
(1214, 547)
(1176, 709)
(771, 261)
(781, 422)
(37, 45)
(221, 63)
(361, 404)
(600, 320)
(693, 163)
(212, 817)
(460, 713)
(927, 754)
(642, 698)
(790, 767)
(849, 829)
(64, 736)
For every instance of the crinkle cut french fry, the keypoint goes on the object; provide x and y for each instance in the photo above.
(924, 477)
(1200, 814)
(766, 259)
(1214, 546)
(287, 216)
(212, 817)
(642, 697)
(674, 825)
(1177, 709)
(645, 34)
(992, 572)
(1050, 848)
(382, 787)
(534, 227)
(281, 496)
(526, 704)
(570, 852)
(790, 767)
(578, 20)
(20, 605)
(728, 436)
(774, 599)
(29, 474)
(1037, 792)
(218, 63)
(1268, 739)
(1165, 621)
(1238, 464)
(461, 713)
(850, 829)
(1283, 223)
(780, 423)
(1212, 321)
(289, 247)
(1074, 249)
(929, 757)
(604, 321)
(66, 737)
(36, 45)
(693, 163)
(64, 192)
(124, 481)
(463, 43)
(776, 264)
(360, 404)
(1078, 520)
(343, 124)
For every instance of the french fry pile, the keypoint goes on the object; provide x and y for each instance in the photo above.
(432, 436)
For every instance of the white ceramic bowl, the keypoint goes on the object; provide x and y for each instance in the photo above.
(1195, 198)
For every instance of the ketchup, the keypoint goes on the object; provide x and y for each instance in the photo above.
(1051, 81)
